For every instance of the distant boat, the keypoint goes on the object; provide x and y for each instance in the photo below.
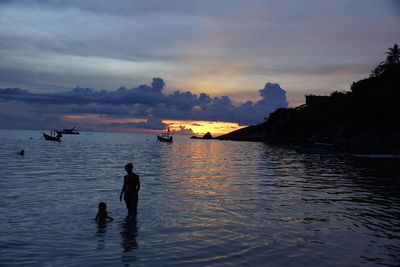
(52, 138)
(165, 137)
(67, 131)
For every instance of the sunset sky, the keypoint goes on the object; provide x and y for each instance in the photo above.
(143, 65)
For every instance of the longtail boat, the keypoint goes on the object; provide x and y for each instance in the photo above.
(165, 137)
(52, 138)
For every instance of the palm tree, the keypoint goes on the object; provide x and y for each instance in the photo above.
(393, 55)
(392, 58)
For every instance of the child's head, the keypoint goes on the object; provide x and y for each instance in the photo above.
(129, 167)
(102, 206)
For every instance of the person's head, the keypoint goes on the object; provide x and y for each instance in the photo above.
(102, 206)
(129, 167)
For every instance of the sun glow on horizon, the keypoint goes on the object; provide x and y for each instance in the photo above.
(103, 123)
(202, 127)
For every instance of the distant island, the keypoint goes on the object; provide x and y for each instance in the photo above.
(207, 136)
(364, 120)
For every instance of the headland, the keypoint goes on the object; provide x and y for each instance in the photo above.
(365, 119)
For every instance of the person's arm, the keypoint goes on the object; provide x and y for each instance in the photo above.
(97, 216)
(138, 184)
(122, 191)
(108, 217)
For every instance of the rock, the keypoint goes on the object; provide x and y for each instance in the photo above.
(207, 136)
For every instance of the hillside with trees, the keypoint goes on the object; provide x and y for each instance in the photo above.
(365, 119)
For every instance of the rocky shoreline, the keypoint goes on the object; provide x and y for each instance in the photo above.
(369, 142)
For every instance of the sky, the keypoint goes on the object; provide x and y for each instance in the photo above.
(193, 65)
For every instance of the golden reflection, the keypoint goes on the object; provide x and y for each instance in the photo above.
(206, 175)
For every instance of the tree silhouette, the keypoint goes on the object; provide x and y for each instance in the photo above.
(392, 59)
(393, 55)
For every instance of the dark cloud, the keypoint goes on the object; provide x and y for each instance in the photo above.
(143, 94)
(273, 96)
(149, 102)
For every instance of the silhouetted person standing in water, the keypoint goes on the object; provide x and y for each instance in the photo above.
(130, 190)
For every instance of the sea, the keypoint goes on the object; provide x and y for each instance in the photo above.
(201, 203)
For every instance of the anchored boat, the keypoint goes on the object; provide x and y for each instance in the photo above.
(52, 138)
(165, 137)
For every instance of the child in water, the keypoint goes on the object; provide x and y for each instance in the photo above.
(102, 214)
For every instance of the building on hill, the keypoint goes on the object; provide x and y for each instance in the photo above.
(317, 100)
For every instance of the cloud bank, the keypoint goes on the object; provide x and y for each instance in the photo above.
(321, 46)
(147, 102)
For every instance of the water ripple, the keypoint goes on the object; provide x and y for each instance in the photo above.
(202, 203)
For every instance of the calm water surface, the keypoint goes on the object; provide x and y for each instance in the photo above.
(202, 203)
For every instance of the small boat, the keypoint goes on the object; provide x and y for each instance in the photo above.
(67, 131)
(165, 137)
(52, 138)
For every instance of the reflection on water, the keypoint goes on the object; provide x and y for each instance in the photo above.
(201, 203)
(100, 233)
(129, 232)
